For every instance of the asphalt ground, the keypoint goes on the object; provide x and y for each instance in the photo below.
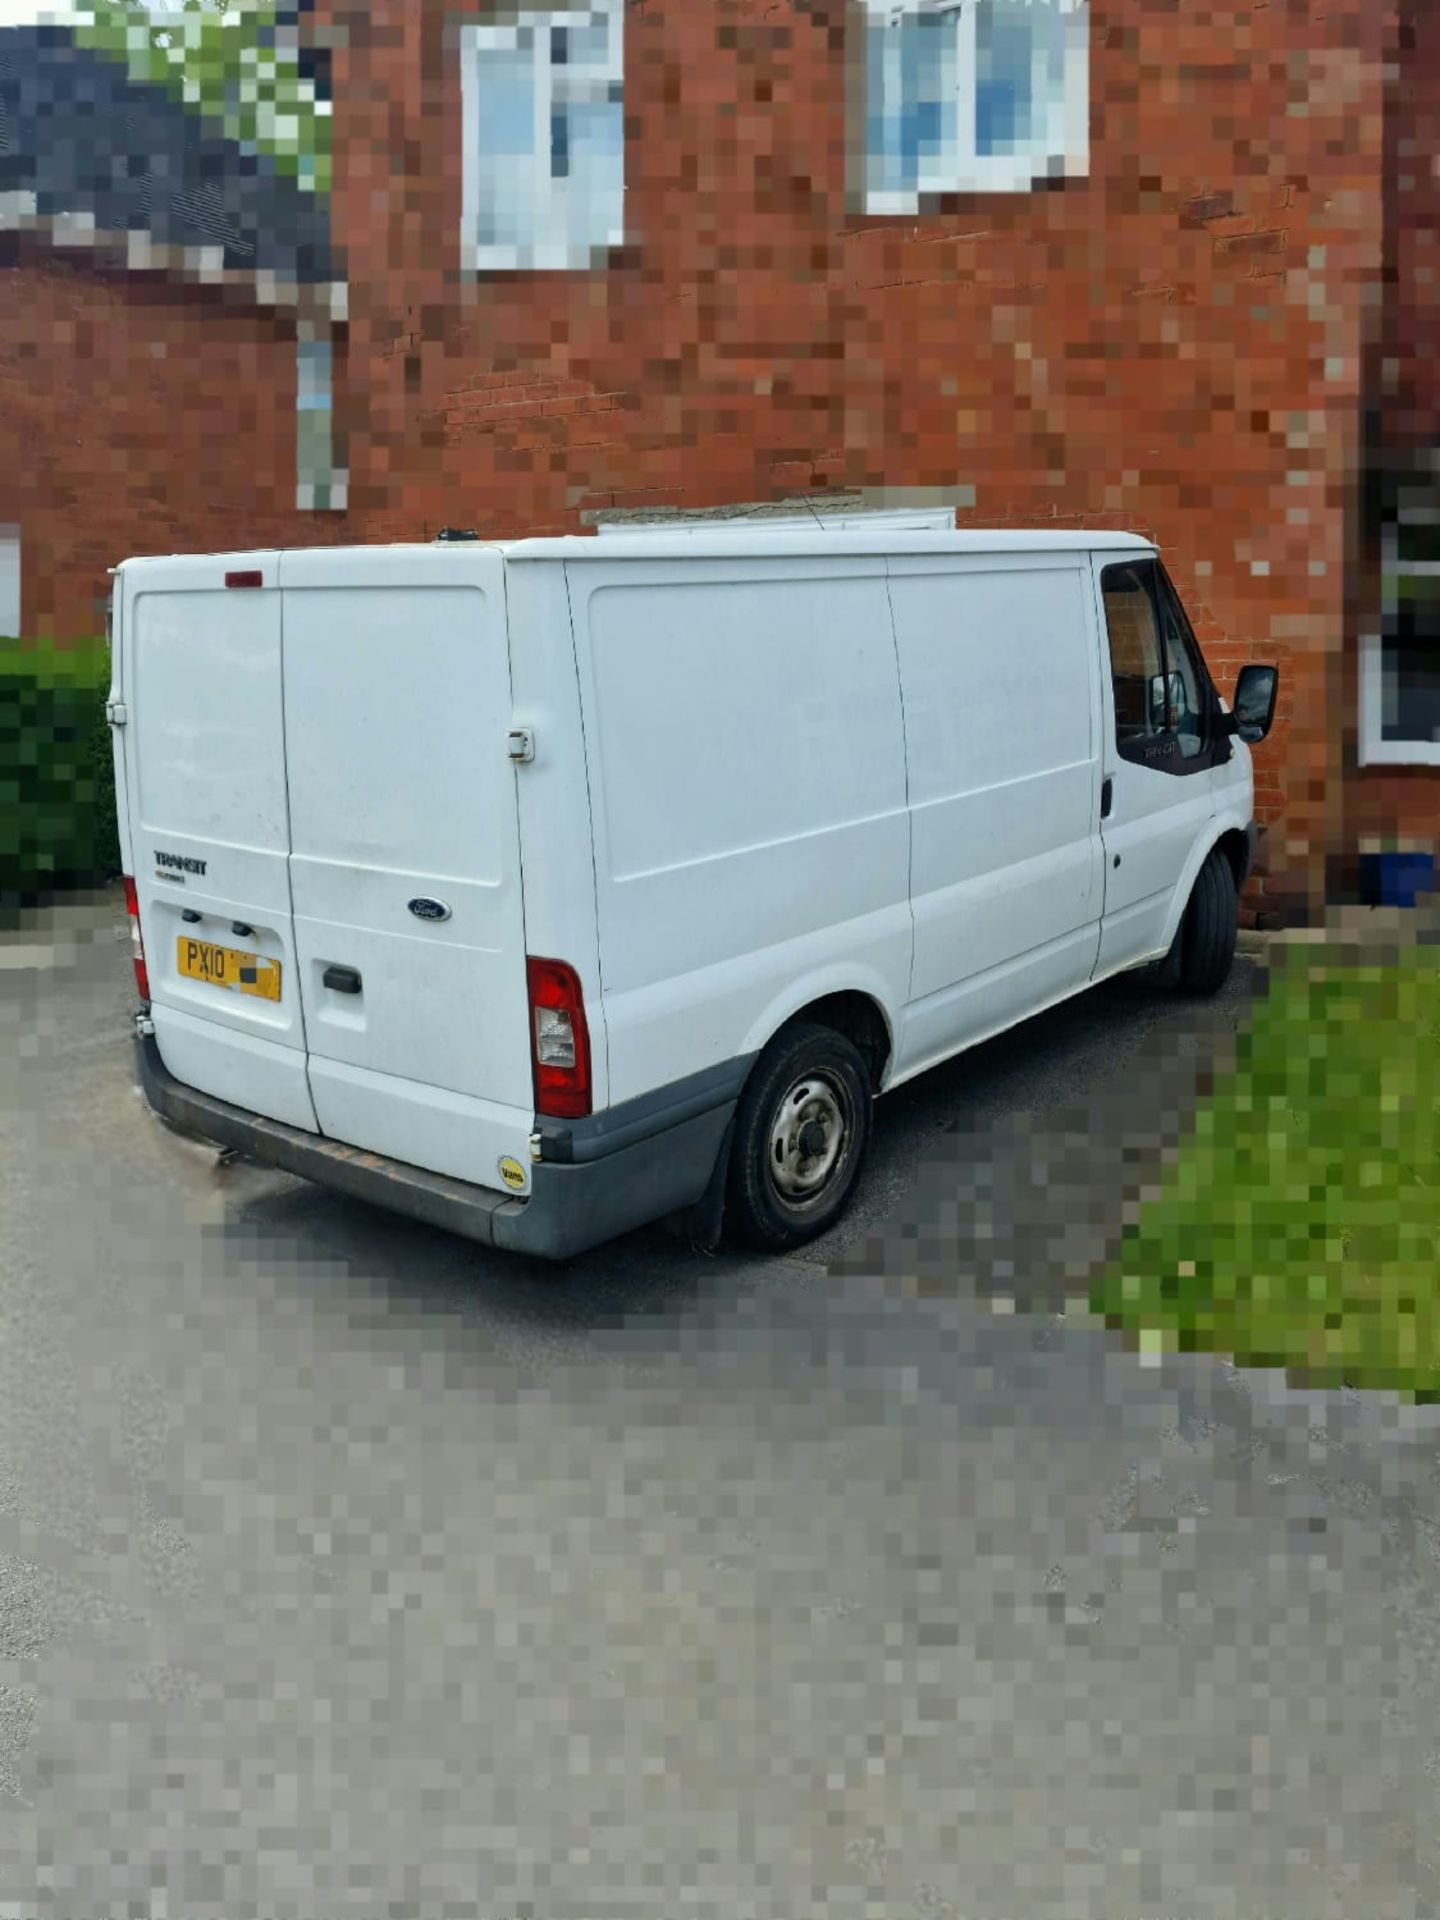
(349, 1569)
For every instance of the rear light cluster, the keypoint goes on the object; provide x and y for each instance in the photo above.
(132, 907)
(559, 1040)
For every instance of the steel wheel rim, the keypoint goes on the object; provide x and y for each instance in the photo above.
(803, 1169)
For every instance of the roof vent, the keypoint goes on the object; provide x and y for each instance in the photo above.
(457, 533)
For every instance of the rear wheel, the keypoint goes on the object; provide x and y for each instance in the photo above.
(801, 1131)
(1204, 949)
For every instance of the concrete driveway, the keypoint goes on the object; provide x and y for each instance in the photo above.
(346, 1569)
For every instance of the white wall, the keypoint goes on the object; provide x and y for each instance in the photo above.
(9, 582)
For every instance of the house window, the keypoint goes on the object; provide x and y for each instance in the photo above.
(9, 583)
(972, 96)
(544, 139)
(320, 484)
(1400, 665)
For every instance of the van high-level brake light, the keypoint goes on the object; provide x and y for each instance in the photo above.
(559, 1040)
(132, 907)
(252, 577)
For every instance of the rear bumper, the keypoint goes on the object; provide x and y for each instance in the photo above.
(570, 1207)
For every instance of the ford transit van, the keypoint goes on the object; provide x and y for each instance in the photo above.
(542, 889)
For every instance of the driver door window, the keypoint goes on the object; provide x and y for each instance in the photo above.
(1189, 690)
(1161, 692)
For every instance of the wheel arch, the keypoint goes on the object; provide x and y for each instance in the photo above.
(854, 1011)
(1227, 835)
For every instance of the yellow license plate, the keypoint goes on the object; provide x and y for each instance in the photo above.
(227, 967)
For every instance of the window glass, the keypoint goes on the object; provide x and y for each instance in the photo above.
(1010, 55)
(9, 582)
(319, 481)
(911, 61)
(1410, 665)
(1417, 542)
(1187, 690)
(502, 129)
(1136, 661)
(989, 95)
(545, 138)
(1162, 692)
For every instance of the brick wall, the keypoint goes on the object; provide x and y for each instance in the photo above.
(1410, 377)
(1177, 344)
(1174, 344)
(136, 417)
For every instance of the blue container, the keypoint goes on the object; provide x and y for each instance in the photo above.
(1395, 879)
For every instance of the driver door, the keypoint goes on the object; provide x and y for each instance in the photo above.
(1161, 742)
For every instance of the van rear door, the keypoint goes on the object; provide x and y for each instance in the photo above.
(405, 856)
(203, 753)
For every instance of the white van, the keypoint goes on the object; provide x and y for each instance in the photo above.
(542, 889)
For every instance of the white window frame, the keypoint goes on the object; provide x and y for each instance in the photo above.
(320, 485)
(10, 582)
(1374, 749)
(1062, 153)
(550, 249)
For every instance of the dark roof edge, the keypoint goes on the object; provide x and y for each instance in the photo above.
(322, 301)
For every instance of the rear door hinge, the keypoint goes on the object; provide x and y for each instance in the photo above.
(116, 712)
(520, 744)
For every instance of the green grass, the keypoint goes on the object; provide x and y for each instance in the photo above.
(1300, 1227)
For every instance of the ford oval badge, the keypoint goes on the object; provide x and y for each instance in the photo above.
(424, 909)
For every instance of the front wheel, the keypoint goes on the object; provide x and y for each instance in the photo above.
(1204, 949)
(801, 1132)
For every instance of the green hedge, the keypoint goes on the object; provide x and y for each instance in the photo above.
(57, 782)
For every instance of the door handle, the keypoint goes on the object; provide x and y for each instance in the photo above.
(1107, 795)
(341, 979)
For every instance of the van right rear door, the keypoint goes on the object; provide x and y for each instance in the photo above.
(405, 857)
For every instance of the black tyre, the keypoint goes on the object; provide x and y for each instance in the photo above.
(1207, 932)
(801, 1131)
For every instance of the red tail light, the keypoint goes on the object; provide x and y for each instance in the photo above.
(559, 1040)
(132, 907)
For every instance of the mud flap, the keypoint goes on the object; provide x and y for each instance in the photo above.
(705, 1221)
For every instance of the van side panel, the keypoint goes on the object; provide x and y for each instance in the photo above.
(998, 662)
(747, 778)
(397, 704)
(209, 828)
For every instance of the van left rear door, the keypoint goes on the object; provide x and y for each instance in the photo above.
(203, 753)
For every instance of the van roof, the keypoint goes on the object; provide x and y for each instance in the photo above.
(741, 541)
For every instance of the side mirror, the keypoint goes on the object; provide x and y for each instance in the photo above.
(1167, 702)
(1254, 708)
